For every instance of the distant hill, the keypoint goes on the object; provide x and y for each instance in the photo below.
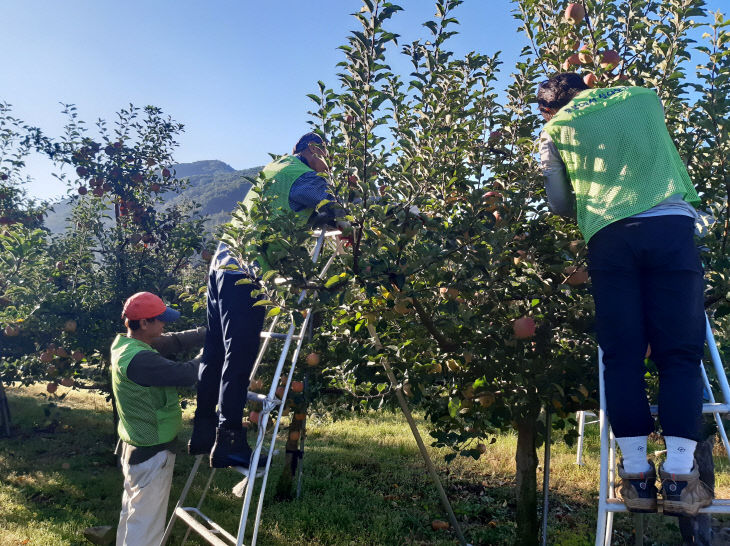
(215, 185)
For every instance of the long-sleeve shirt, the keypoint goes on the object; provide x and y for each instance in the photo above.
(154, 369)
(561, 198)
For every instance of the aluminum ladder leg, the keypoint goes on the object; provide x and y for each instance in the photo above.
(208, 529)
(608, 503)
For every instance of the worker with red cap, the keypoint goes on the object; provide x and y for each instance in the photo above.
(144, 383)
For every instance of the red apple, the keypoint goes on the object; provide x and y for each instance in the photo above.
(60, 266)
(312, 359)
(11, 330)
(574, 13)
(207, 255)
(52, 387)
(524, 327)
(70, 326)
(82, 171)
(576, 275)
(253, 416)
(46, 357)
(585, 57)
(82, 190)
(590, 79)
(609, 59)
(294, 436)
(78, 356)
(155, 187)
(98, 192)
(349, 118)
(297, 386)
(165, 173)
(573, 60)
(67, 382)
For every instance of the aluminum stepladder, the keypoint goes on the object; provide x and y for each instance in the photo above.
(608, 502)
(191, 516)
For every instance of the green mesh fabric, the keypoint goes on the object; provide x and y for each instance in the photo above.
(280, 176)
(148, 416)
(618, 154)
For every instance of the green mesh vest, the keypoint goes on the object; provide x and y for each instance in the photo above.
(147, 415)
(618, 154)
(280, 175)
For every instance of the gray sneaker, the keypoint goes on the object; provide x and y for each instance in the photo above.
(638, 491)
(684, 494)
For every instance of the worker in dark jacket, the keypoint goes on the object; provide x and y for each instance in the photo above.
(145, 384)
(610, 162)
(234, 324)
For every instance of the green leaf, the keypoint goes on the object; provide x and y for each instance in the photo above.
(263, 303)
(273, 312)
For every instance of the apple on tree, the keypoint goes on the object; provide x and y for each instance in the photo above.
(524, 327)
(575, 13)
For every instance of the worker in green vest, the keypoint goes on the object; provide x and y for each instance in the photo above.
(610, 162)
(234, 324)
(145, 384)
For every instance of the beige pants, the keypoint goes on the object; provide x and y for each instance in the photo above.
(144, 502)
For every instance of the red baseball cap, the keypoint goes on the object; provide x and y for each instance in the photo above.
(145, 305)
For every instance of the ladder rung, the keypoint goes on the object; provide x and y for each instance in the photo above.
(706, 408)
(718, 506)
(276, 335)
(255, 396)
(244, 470)
(184, 513)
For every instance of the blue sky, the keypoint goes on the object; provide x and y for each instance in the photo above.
(235, 72)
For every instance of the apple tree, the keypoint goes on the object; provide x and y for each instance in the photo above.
(476, 293)
(121, 239)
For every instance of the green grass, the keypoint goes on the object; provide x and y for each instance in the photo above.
(364, 483)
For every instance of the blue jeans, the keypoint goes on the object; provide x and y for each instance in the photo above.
(647, 284)
(231, 345)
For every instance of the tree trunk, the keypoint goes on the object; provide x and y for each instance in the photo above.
(4, 412)
(526, 459)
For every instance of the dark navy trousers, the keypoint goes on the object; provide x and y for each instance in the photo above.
(231, 345)
(647, 282)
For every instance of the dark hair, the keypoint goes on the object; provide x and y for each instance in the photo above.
(133, 324)
(559, 90)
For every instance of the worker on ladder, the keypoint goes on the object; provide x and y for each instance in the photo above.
(609, 160)
(234, 323)
(144, 383)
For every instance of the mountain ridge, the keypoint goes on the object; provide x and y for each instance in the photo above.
(213, 184)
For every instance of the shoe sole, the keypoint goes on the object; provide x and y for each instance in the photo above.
(641, 506)
(682, 509)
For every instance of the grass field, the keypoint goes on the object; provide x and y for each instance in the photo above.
(364, 483)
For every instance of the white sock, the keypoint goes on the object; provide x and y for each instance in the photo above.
(633, 450)
(680, 455)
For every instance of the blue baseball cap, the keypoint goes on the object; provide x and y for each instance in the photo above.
(306, 140)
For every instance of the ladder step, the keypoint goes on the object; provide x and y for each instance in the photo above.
(718, 506)
(706, 408)
(275, 335)
(185, 513)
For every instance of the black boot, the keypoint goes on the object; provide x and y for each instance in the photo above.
(203, 436)
(231, 449)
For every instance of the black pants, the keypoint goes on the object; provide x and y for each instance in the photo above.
(648, 288)
(231, 345)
